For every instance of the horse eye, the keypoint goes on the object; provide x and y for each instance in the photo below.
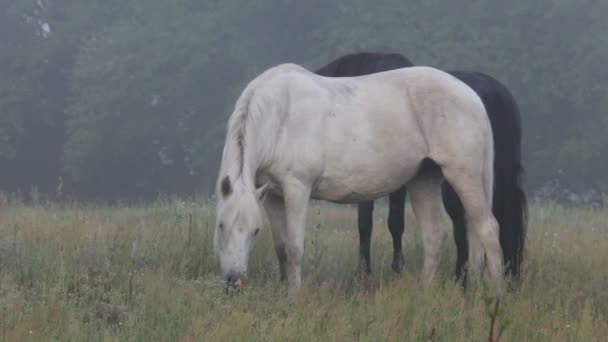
(257, 230)
(221, 226)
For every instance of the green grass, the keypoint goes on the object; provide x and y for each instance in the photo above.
(148, 273)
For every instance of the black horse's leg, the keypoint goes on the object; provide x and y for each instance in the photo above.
(396, 224)
(365, 221)
(455, 210)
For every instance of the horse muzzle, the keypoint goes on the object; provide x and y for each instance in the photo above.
(234, 281)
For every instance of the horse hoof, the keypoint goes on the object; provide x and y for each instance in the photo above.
(397, 266)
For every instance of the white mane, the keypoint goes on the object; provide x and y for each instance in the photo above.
(255, 104)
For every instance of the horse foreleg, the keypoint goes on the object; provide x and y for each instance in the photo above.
(396, 224)
(426, 203)
(365, 212)
(296, 196)
(275, 210)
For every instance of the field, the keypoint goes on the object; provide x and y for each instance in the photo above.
(85, 273)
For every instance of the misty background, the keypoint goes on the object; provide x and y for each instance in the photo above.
(126, 99)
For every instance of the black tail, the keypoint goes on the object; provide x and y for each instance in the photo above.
(509, 205)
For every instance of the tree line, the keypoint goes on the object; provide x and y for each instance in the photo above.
(126, 99)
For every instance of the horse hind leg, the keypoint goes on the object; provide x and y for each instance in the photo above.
(475, 192)
(454, 208)
(425, 192)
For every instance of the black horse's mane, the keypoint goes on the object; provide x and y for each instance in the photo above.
(362, 63)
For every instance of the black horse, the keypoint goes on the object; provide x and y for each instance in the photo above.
(509, 201)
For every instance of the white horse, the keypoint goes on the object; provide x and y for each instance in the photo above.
(295, 135)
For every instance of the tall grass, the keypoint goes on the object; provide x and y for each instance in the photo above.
(77, 272)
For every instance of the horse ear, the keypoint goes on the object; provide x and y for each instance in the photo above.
(261, 191)
(226, 187)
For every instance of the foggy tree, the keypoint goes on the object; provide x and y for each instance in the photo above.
(38, 45)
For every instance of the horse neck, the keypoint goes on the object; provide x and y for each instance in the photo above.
(258, 155)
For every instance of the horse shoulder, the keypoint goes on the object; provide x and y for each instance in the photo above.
(296, 150)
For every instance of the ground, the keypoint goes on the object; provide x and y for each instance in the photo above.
(85, 272)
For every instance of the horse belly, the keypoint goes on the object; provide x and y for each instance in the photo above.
(360, 173)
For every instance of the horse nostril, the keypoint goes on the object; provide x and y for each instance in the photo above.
(233, 282)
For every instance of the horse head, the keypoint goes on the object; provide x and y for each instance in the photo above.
(238, 222)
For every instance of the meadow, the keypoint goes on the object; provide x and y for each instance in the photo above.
(78, 272)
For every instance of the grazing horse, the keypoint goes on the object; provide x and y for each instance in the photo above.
(295, 135)
(509, 203)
